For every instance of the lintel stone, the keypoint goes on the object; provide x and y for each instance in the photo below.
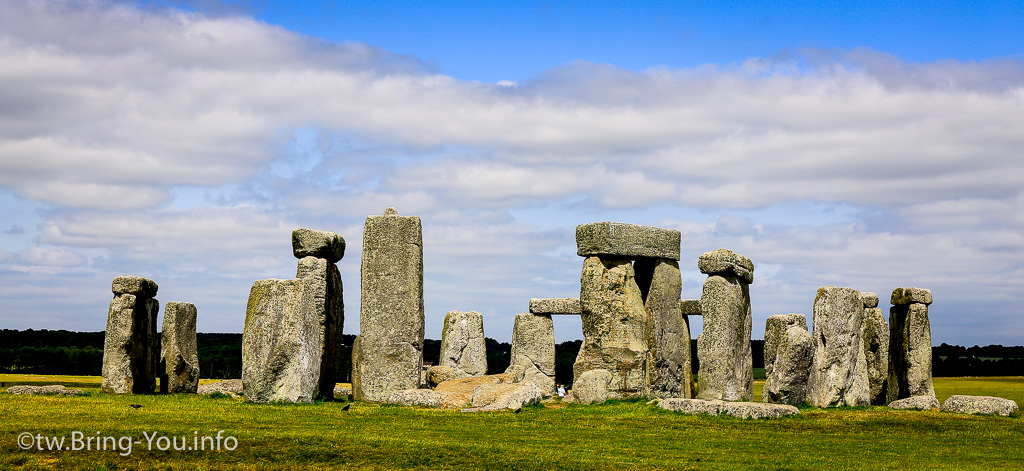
(690, 307)
(137, 285)
(626, 240)
(320, 244)
(903, 296)
(555, 306)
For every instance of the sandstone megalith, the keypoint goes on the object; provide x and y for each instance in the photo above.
(839, 375)
(462, 344)
(533, 348)
(388, 353)
(788, 354)
(876, 348)
(130, 350)
(910, 345)
(726, 362)
(669, 373)
(179, 359)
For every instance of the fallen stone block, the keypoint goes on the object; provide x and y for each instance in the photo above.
(744, 410)
(916, 403)
(626, 240)
(55, 389)
(438, 374)
(979, 405)
(230, 387)
(591, 387)
(496, 397)
(414, 397)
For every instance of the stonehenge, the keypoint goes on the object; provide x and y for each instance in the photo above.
(179, 360)
(839, 375)
(788, 352)
(387, 355)
(533, 348)
(130, 351)
(876, 348)
(726, 362)
(910, 345)
(462, 344)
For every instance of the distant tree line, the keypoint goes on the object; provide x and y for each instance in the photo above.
(220, 355)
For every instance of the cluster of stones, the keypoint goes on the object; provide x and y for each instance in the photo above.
(293, 327)
(726, 363)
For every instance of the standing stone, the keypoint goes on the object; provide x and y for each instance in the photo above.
(910, 345)
(876, 348)
(669, 368)
(179, 360)
(726, 362)
(788, 354)
(839, 370)
(615, 326)
(388, 354)
(462, 344)
(130, 350)
(533, 348)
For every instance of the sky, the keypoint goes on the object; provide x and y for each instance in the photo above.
(872, 145)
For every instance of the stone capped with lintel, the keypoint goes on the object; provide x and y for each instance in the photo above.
(627, 240)
(904, 296)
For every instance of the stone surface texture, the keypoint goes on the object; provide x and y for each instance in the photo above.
(726, 362)
(231, 387)
(870, 299)
(414, 397)
(388, 355)
(179, 359)
(724, 262)
(788, 354)
(626, 240)
(462, 343)
(504, 396)
(916, 403)
(669, 364)
(533, 348)
(615, 326)
(690, 307)
(592, 387)
(839, 375)
(130, 350)
(903, 296)
(875, 338)
(438, 374)
(555, 306)
(54, 389)
(319, 244)
(979, 405)
(910, 349)
(744, 410)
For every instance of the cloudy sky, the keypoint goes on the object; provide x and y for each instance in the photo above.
(871, 146)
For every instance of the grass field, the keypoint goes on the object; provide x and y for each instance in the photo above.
(622, 435)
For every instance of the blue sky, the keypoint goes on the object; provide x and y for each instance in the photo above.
(866, 144)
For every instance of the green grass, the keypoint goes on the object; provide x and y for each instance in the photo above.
(620, 435)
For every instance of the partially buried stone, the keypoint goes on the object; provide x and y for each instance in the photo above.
(55, 389)
(725, 262)
(179, 358)
(320, 244)
(438, 374)
(462, 343)
(916, 403)
(979, 405)
(839, 370)
(496, 397)
(533, 348)
(230, 387)
(591, 387)
(626, 240)
(744, 410)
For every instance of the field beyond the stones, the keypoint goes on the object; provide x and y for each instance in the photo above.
(616, 435)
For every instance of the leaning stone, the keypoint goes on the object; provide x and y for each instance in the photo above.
(726, 361)
(390, 353)
(615, 326)
(839, 370)
(669, 365)
(137, 285)
(724, 262)
(320, 244)
(462, 343)
(916, 403)
(231, 387)
(533, 348)
(743, 410)
(788, 354)
(496, 397)
(902, 296)
(555, 306)
(870, 299)
(690, 307)
(592, 387)
(979, 405)
(55, 389)
(626, 240)
(910, 352)
(130, 350)
(876, 350)
(179, 359)
(414, 397)
(438, 374)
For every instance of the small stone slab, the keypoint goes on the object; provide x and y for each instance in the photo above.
(556, 306)
(690, 307)
(743, 410)
(902, 296)
(136, 285)
(726, 262)
(626, 240)
(320, 244)
(231, 387)
(54, 389)
(979, 405)
(870, 299)
(916, 403)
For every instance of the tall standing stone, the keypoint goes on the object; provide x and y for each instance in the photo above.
(669, 372)
(179, 359)
(839, 375)
(876, 348)
(910, 345)
(130, 350)
(788, 354)
(726, 362)
(388, 354)
(533, 348)
(463, 348)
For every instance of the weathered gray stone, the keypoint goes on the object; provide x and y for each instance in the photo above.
(137, 285)
(458, 393)
(669, 363)
(916, 403)
(130, 350)
(319, 244)
(555, 306)
(504, 396)
(292, 335)
(724, 262)
(179, 360)
(626, 240)
(616, 326)
(342, 392)
(388, 355)
(690, 307)
(744, 410)
(231, 387)
(533, 348)
(910, 352)
(462, 343)
(839, 371)
(726, 362)
(54, 389)
(592, 387)
(876, 353)
(438, 374)
(870, 299)
(903, 296)
(788, 354)
(979, 405)
(414, 397)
